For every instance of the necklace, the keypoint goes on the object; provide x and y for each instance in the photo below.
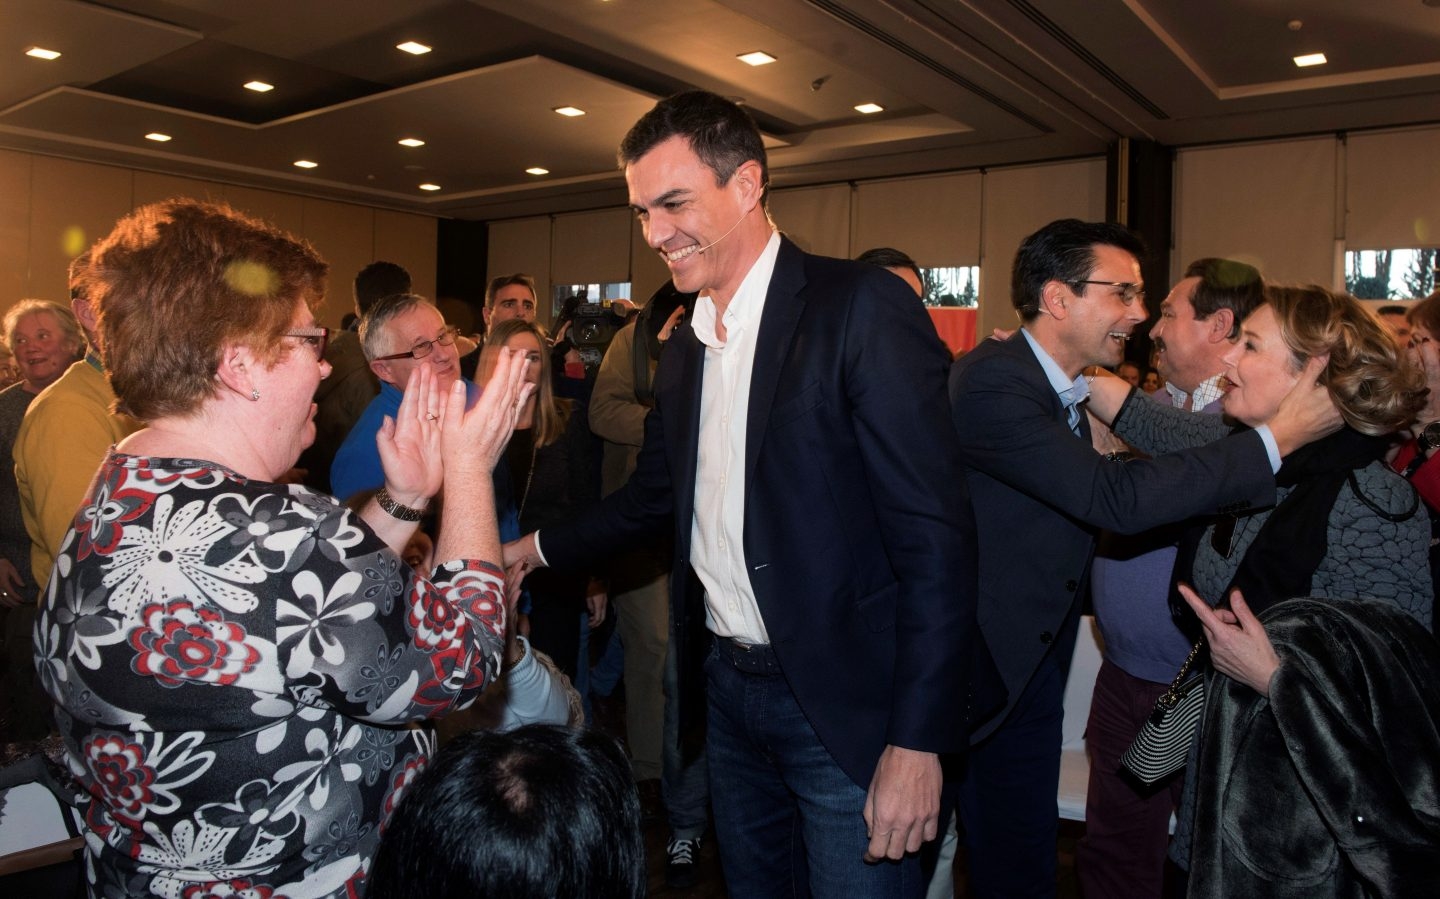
(529, 476)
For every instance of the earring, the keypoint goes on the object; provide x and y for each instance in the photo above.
(255, 396)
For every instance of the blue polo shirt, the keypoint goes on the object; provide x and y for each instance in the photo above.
(357, 463)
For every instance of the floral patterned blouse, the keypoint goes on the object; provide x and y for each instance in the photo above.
(237, 666)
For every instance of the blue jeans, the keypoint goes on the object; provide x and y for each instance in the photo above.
(788, 821)
(684, 788)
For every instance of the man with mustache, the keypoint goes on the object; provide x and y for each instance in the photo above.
(1122, 854)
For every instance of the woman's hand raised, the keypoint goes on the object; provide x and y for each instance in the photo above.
(473, 439)
(409, 444)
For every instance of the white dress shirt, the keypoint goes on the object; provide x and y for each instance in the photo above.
(717, 546)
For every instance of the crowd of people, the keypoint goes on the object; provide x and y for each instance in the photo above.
(250, 566)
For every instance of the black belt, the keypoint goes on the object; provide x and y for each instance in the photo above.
(751, 658)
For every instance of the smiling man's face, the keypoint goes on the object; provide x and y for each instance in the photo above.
(688, 218)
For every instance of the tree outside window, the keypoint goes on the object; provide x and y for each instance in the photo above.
(1394, 274)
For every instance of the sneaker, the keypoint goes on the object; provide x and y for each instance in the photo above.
(682, 871)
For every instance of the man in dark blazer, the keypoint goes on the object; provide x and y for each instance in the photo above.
(1041, 493)
(823, 536)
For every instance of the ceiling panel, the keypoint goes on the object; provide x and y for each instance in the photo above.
(964, 83)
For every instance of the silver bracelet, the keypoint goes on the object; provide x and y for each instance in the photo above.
(395, 509)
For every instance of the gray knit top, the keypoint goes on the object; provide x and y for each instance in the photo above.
(1377, 538)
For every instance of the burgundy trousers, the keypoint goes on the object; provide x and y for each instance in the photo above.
(1122, 855)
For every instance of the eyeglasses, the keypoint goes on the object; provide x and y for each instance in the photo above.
(316, 338)
(424, 347)
(1129, 291)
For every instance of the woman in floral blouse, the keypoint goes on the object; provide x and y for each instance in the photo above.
(239, 664)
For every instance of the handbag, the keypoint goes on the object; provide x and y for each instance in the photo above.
(1161, 747)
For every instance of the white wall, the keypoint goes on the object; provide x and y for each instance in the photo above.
(1289, 207)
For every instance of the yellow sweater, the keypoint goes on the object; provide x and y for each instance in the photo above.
(66, 432)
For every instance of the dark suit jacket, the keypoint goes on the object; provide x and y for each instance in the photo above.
(1041, 494)
(859, 536)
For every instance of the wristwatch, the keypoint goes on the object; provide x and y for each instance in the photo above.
(1429, 437)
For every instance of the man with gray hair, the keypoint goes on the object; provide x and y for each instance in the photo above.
(401, 333)
(341, 399)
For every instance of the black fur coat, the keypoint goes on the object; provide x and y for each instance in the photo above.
(1331, 787)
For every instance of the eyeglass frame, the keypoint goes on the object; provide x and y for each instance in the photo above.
(1129, 290)
(320, 335)
(425, 347)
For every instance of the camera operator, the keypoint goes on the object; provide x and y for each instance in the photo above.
(582, 332)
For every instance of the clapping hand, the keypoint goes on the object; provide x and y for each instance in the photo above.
(478, 435)
(409, 444)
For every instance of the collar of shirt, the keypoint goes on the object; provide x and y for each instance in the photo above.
(747, 303)
(1208, 392)
(1071, 393)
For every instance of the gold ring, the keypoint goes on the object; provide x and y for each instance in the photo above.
(431, 416)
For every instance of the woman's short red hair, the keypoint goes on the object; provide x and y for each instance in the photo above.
(176, 282)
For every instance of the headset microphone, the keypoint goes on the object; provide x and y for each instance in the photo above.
(723, 236)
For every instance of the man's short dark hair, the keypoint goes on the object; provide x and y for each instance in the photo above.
(720, 132)
(1226, 284)
(889, 257)
(502, 281)
(541, 811)
(1063, 251)
(377, 281)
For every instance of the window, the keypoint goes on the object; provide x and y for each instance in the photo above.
(596, 294)
(953, 286)
(1390, 274)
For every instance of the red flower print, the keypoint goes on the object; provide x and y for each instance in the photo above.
(433, 620)
(177, 642)
(413, 767)
(120, 771)
(230, 889)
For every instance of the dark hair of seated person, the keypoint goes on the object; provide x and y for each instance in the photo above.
(540, 812)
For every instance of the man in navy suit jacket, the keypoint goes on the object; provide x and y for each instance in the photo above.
(1041, 493)
(824, 540)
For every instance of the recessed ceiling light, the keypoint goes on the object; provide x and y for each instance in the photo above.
(414, 48)
(756, 58)
(42, 53)
(869, 108)
(411, 142)
(1311, 59)
(305, 164)
(259, 87)
(536, 170)
(570, 111)
(428, 186)
(157, 136)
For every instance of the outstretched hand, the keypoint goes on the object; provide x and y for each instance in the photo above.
(1239, 647)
